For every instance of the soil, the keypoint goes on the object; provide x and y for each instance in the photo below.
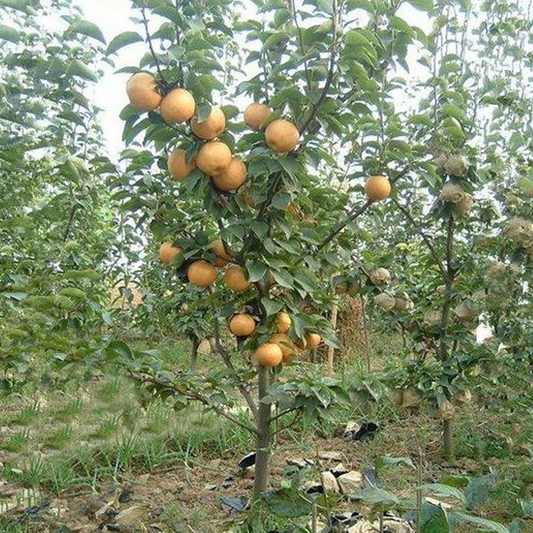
(178, 497)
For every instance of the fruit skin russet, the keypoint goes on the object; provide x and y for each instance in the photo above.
(177, 165)
(201, 273)
(232, 177)
(377, 188)
(167, 252)
(213, 158)
(142, 92)
(242, 325)
(255, 115)
(269, 355)
(235, 279)
(282, 136)
(177, 106)
(213, 126)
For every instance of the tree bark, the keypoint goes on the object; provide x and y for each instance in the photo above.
(194, 353)
(447, 439)
(262, 449)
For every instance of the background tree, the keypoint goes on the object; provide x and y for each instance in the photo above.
(57, 221)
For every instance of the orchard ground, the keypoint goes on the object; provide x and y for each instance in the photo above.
(98, 454)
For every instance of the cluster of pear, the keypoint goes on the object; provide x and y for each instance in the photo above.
(280, 348)
(214, 158)
(228, 173)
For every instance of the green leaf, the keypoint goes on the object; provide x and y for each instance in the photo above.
(78, 68)
(377, 497)
(121, 349)
(122, 40)
(82, 274)
(479, 490)
(73, 292)
(456, 481)
(287, 503)
(490, 525)
(283, 278)
(422, 5)
(442, 490)
(527, 508)
(271, 306)
(9, 34)
(19, 5)
(434, 519)
(203, 112)
(256, 270)
(89, 29)
(17, 296)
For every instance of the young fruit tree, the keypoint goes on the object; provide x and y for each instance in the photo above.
(57, 230)
(456, 253)
(250, 179)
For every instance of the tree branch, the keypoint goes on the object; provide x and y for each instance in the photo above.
(354, 214)
(292, 7)
(331, 70)
(70, 221)
(192, 395)
(351, 217)
(450, 275)
(227, 361)
(287, 426)
(283, 413)
(425, 238)
(151, 45)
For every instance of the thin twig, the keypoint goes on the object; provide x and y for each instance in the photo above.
(450, 275)
(188, 393)
(151, 45)
(357, 212)
(227, 361)
(294, 13)
(331, 71)
(70, 221)
(351, 217)
(425, 238)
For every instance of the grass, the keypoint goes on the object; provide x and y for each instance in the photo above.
(16, 442)
(108, 433)
(58, 440)
(70, 411)
(27, 416)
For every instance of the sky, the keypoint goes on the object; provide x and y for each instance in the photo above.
(113, 18)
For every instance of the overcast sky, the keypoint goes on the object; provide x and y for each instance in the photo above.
(113, 17)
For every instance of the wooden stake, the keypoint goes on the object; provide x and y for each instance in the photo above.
(331, 350)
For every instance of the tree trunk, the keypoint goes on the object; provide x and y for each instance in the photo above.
(194, 353)
(447, 439)
(262, 449)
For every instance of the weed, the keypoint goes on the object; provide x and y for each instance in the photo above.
(16, 442)
(27, 416)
